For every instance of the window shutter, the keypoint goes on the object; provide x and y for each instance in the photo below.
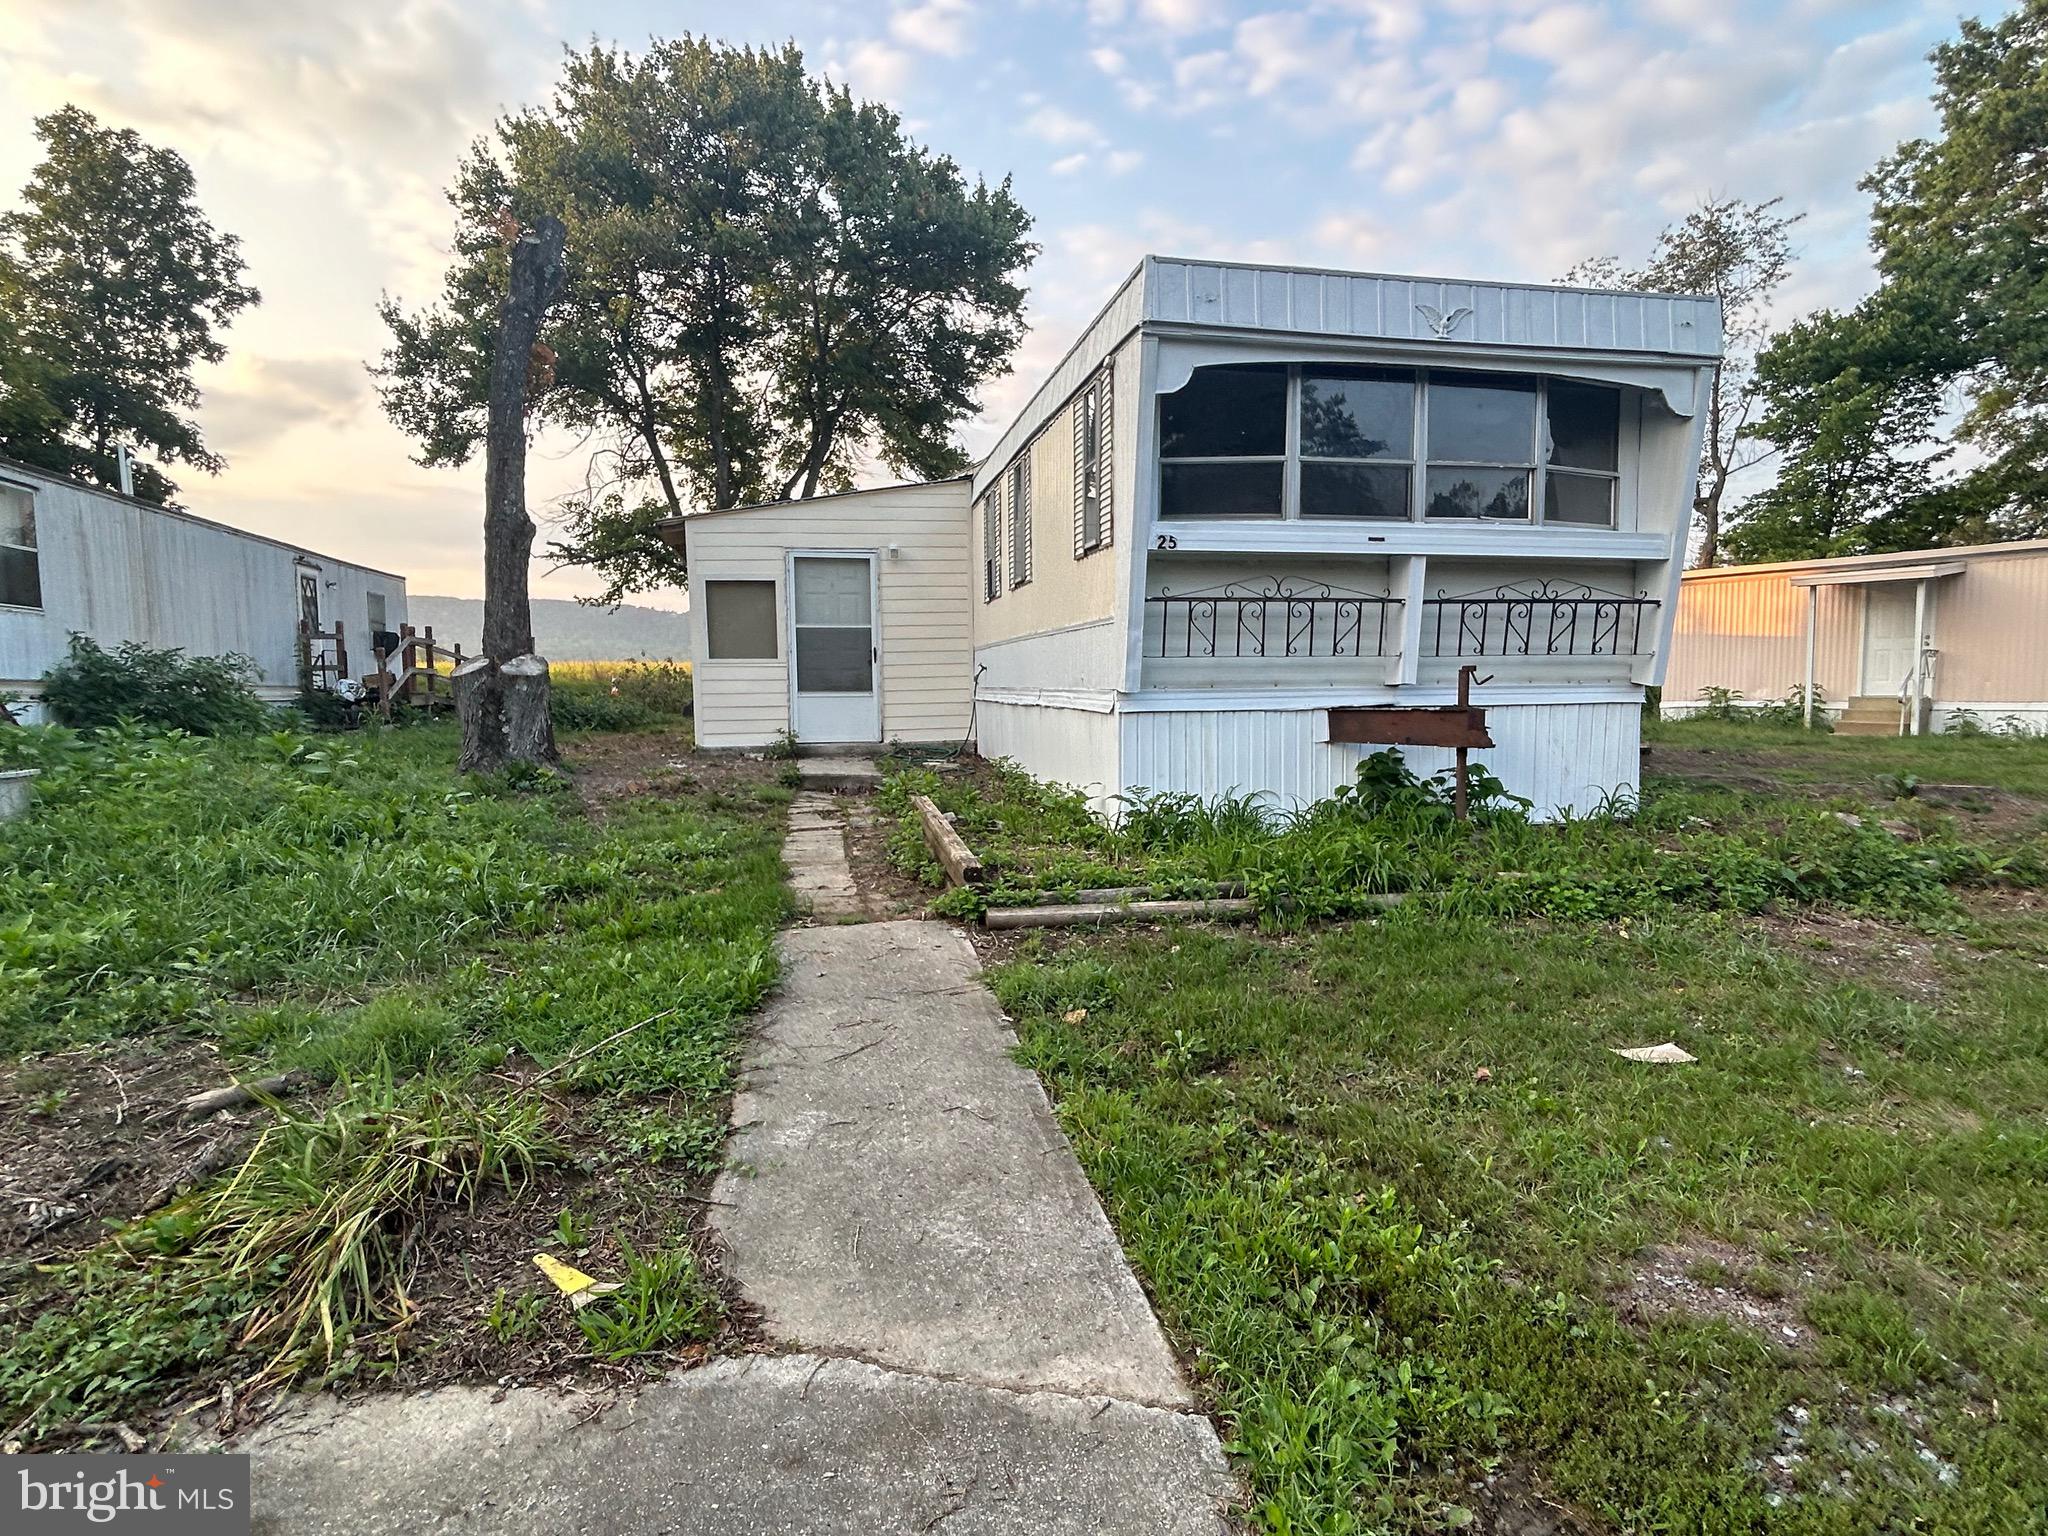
(1084, 523)
(1106, 455)
(992, 543)
(1020, 518)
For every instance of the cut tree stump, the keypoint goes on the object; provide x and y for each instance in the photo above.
(529, 728)
(947, 846)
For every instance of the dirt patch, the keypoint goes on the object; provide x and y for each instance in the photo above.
(661, 764)
(93, 1138)
(1512, 1501)
(1701, 1278)
(1863, 949)
(1976, 811)
(884, 888)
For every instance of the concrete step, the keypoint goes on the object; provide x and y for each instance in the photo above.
(1848, 727)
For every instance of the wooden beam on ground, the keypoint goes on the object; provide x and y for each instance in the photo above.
(947, 846)
(1232, 908)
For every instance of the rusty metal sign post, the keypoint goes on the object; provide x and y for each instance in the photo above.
(1460, 726)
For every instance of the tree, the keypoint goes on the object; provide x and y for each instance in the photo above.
(1960, 315)
(1740, 253)
(766, 284)
(112, 287)
(502, 695)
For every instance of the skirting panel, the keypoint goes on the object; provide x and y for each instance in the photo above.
(1561, 756)
(1074, 747)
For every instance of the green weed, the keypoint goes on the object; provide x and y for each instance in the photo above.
(662, 1302)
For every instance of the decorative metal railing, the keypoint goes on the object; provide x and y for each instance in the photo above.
(1539, 619)
(1270, 619)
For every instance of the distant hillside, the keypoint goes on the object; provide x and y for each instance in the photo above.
(565, 631)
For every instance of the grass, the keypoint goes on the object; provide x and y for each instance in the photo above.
(2015, 762)
(1397, 1200)
(353, 909)
(619, 695)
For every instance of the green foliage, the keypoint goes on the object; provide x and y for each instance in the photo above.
(1855, 398)
(112, 287)
(580, 707)
(1728, 706)
(767, 280)
(205, 695)
(663, 1301)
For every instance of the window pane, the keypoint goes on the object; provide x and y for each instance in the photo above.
(739, 620)
(1492, 421)
(17, 517)
(1219, 490)
(21, 582)
(831, 591)
(1360, 416)
(1501, 493)
(835, 660)
(1587, 499)
(1585, 426)
(1354, 490)
(1226, 412)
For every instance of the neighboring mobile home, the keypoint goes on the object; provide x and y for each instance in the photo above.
(1246, 498)
(1886, 644)
(78, 559)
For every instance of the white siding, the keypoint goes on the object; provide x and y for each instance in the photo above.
(924, 613)
(1561, 756)
(118, 570)
(1073, 747)
(1358, 304)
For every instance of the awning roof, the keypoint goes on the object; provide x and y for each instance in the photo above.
(1858, 578)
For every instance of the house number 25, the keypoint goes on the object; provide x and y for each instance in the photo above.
(1168, 541)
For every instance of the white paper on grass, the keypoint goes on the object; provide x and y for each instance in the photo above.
(1668, 1051)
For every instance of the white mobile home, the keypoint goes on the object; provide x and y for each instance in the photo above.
(76, 559)
(1249, 502)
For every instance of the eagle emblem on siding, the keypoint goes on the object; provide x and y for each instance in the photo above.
(1444, 323)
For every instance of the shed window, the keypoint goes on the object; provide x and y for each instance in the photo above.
(380, 622)
(1223, 444)
(1357, 442)
(21, 573)
(739, 620)
(1583, 454)
(1482, 448)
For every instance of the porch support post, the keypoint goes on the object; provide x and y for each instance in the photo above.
(1919, 650)
(1812, 625)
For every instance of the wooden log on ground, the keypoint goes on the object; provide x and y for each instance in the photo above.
(237, 1094)
(947, 846)
(1141, 892)
(1230, 908)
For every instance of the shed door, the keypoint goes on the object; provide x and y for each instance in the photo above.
(1889, 644)
(832, 648)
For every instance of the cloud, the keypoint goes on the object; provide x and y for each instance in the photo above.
(870, 68)
(937, 26)
(1056, 125)
(1069, 164)
(1182, 16)
(257, 400)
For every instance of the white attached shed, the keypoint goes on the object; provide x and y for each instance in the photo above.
(76, 559)
(843, 619)
(1253, 514)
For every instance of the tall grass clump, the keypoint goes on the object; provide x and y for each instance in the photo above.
(300, 1256)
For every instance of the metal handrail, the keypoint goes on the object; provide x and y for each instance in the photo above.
(1272, 620)
(1542, 619)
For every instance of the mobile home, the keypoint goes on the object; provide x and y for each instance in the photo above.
(1891, 644)
(76, 559)
(1250, 501)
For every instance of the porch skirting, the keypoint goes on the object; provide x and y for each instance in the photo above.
(1561, 755)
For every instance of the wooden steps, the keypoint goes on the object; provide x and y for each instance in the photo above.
(1869, 715)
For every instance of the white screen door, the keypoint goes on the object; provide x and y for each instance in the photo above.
(1889, 644)
(832, 648)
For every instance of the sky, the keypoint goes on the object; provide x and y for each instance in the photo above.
(1463, 138)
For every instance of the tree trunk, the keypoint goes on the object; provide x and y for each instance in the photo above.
(491, 730)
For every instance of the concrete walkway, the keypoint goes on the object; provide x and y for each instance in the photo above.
(968, 1350)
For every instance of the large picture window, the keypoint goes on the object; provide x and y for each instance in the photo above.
(739, 620)
(1223, 444)
(1315, 440)
(21, 571)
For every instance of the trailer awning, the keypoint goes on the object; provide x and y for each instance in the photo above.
(1855, 578)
